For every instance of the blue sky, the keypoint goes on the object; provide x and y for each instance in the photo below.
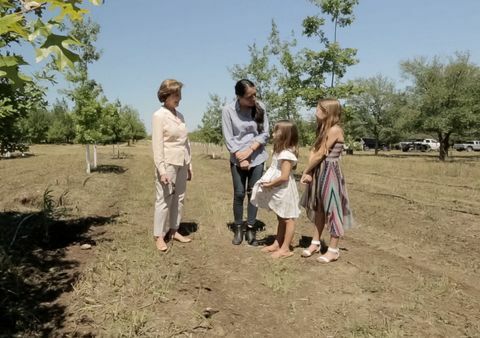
(196, 41)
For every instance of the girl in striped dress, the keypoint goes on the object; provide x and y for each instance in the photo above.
(325, 198)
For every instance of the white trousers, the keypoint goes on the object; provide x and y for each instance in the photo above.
(169, 199)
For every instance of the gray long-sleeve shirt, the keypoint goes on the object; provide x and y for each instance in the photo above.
(240, 132)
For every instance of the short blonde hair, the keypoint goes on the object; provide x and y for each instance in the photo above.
(169, 87)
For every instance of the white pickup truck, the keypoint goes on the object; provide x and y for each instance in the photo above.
(468, 146)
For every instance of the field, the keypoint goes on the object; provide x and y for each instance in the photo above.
(410, 267)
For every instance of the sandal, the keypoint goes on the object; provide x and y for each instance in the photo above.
(307, 253)
(323, 259)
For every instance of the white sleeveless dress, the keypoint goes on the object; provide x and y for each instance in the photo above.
(282, 199)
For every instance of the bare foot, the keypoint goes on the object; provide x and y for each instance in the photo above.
(271, 248)
(282, 254)
(161, 245)
(182, 239)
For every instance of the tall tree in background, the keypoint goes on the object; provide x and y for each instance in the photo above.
(373, 105)
(445, 97)
(132, 127)
(331, 58)
(62, 129)
(211, 127)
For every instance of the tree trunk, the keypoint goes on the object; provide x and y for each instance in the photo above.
(94, 156)
(87, 157)
(443, 140)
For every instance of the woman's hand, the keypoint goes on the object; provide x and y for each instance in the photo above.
(164, 179)
(306, 179)
(189, 174)
(243, 155)
(245, 165)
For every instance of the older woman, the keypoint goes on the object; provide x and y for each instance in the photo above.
(245, 131)
(172, 157)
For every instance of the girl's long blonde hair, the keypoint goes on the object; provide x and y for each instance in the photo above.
(333, 110)
(286, 137)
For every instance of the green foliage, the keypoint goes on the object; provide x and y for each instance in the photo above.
(30, 23)
(25, 23)
(132, 128)
(444, 96)
(211, 128)
(15, 105)
(373, 108)
(62, 128)
(332, 58)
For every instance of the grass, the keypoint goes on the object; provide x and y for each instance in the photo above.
(415, 249)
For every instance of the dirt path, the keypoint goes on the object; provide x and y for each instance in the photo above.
(406, 270)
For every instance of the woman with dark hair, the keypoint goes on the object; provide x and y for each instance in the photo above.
(245, 131)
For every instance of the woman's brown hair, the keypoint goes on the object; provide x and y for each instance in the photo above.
(167, 88)
(333, 110)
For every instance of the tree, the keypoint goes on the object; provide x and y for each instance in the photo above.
(132, 128)
(24, 23)
(87, 93)
(373, 105)
(62, 129)
(211, 128)
(331, 58)
(15, 105)
(445, 97)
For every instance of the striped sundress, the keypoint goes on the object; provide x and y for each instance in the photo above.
(327, 192)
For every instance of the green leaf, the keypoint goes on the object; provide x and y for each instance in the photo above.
(12, 23)
(41, 29)
(97, 2)
(58, 45)
(68, 8)
(9, 69)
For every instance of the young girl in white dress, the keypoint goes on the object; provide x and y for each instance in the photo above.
(276, 190)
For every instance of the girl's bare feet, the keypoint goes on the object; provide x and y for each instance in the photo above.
(271, 248)
(282, 254)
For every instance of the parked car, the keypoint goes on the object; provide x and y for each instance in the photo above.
(468, 146)
(369, 143)
(426, 144)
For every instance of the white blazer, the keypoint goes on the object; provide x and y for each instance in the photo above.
(169, 140)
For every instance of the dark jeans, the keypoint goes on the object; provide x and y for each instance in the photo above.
(243, 181)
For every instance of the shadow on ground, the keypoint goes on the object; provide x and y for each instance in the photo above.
(109, 168)
(34, 270)
(187, 228)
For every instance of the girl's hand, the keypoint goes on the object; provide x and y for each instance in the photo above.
(306, 179)
(164, 179)
(266, 184)
(244, 165)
